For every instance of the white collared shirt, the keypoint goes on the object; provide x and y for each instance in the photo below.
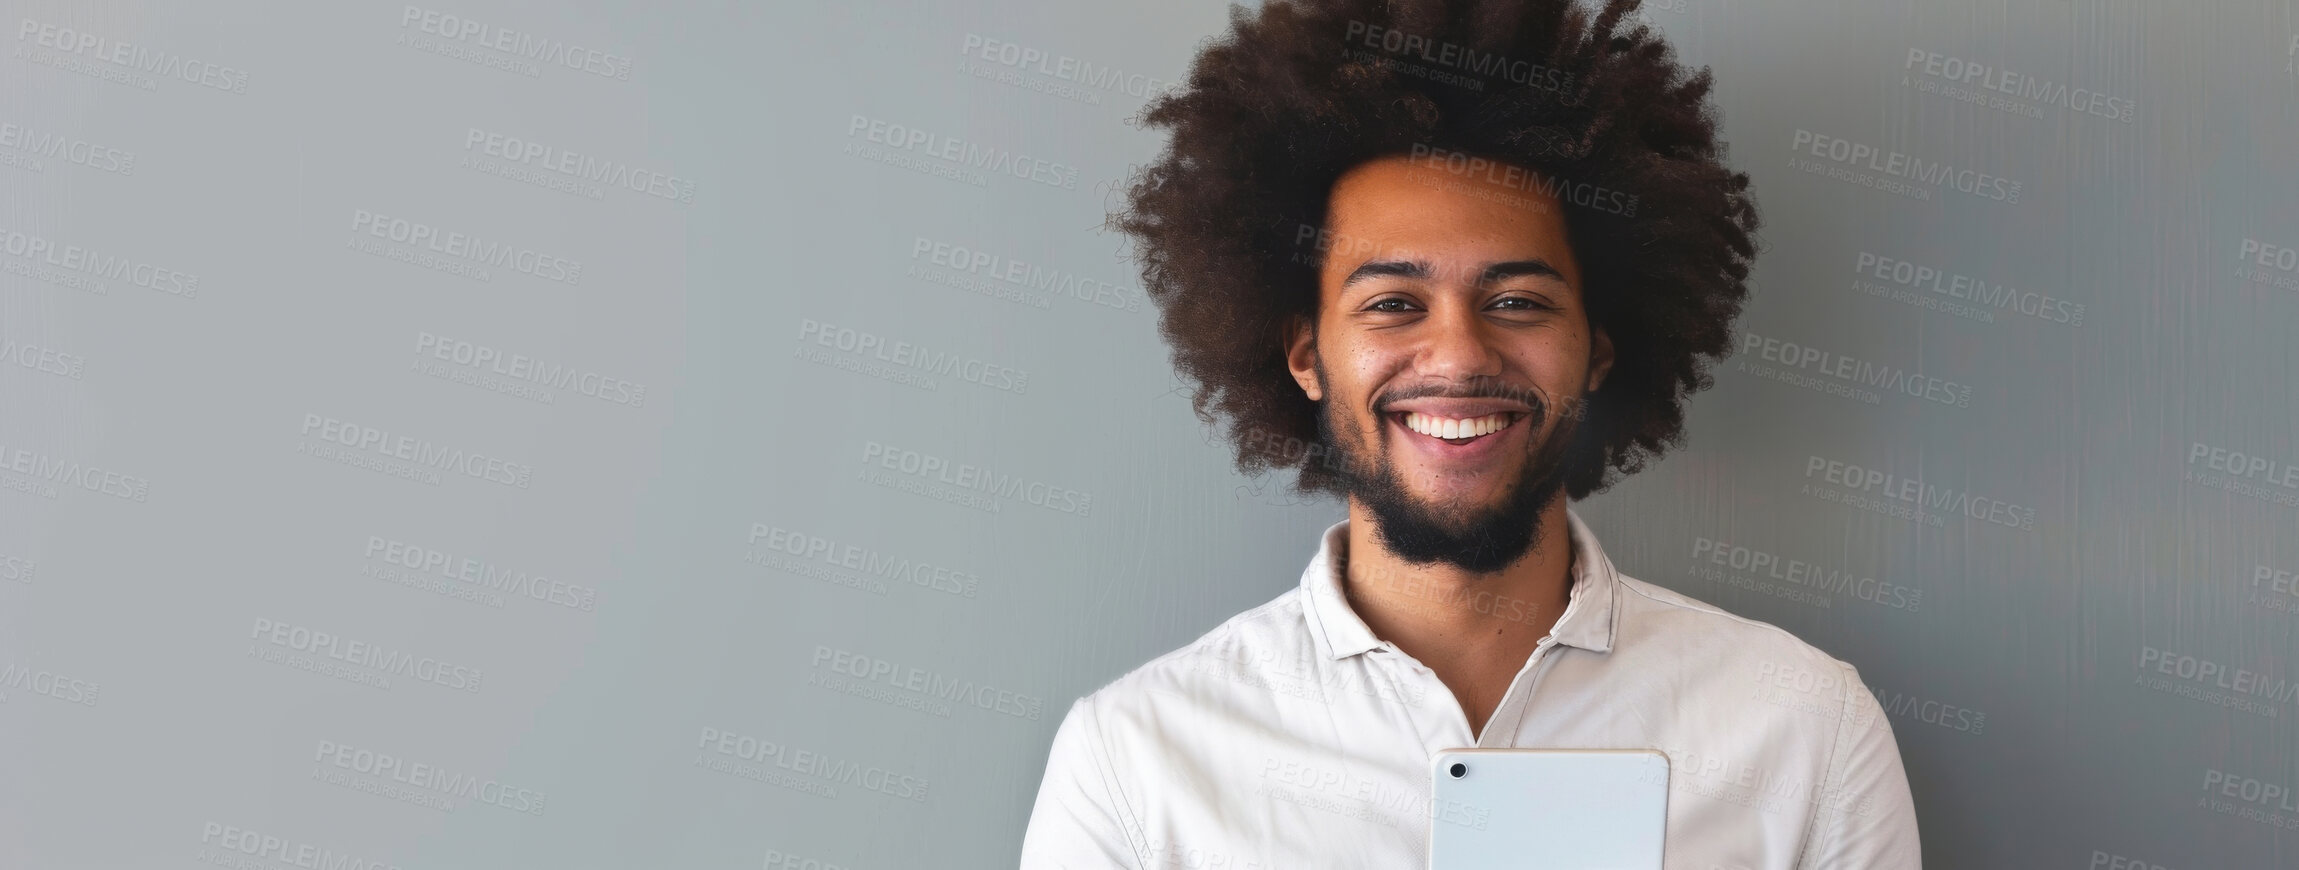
(1291, 737)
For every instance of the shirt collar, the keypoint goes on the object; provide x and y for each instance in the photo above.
(1588, 621)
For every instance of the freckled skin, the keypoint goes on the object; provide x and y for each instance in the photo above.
(1450, 334)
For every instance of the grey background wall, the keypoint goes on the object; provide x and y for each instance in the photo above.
(513, 434)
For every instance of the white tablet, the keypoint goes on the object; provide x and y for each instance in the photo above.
(1553, 809)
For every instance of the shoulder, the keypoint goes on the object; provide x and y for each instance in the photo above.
(1798, 715)
(1256, 671)
(1781, 696)
(1273, 632)
(1750, 653)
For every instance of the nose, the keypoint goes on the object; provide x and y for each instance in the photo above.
(1457, 344)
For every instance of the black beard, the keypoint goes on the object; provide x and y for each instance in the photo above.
(1477, 541)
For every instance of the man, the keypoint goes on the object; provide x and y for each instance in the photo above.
(1457, 265)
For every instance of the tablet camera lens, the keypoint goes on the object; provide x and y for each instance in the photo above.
(1460, 770)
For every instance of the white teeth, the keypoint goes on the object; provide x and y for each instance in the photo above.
(1448, 427)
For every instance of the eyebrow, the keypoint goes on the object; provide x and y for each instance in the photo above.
(1420, 269)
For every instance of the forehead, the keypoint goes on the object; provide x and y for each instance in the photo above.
(1433, 206)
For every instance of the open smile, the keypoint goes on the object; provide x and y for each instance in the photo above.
(1465, 440)
(1452, 430)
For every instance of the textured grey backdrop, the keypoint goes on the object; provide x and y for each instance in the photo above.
(525, 434)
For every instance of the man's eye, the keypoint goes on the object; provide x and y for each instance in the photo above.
(1524, 303)
(1402, 305)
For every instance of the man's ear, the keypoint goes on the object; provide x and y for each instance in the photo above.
(1301, 355)
(1600, 357)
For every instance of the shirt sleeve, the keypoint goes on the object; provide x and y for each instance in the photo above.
(1078, 821)
(1864, 817)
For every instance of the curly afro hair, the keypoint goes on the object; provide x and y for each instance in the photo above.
(1276, 110)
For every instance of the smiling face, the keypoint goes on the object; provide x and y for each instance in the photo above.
(1450, 356)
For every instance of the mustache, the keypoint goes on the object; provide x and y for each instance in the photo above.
(1540, 405)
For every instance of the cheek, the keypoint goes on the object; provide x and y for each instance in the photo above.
(1558, 369)
(1352, 370)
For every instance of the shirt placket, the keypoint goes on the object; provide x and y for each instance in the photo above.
(1450, 728)
(1514, 700)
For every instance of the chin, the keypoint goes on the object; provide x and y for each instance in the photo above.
(1482, 488)
(1473, 502)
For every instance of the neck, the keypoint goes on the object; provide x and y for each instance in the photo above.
(1438, 612)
